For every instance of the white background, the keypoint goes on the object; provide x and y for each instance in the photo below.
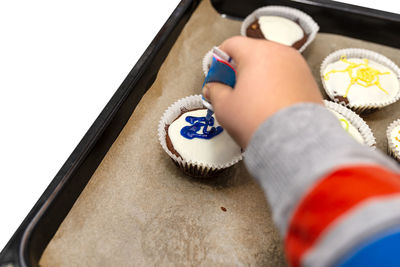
(60, 63)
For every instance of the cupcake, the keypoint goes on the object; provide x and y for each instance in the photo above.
(393, 137)
(353, 124)
(360, 79)
(281, 24)
(198, 147)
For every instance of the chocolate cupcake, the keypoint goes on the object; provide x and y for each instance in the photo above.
(199, 147)
(281, 24)
(360, 79)
(352, 123)
(393, 138)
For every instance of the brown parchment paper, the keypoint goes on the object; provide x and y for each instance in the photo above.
(138, 209)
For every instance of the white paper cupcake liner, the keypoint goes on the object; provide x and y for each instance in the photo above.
(391, 148)
(192, 168)
(207, 60)
(356, 121)
(309, 26)
(360, 53)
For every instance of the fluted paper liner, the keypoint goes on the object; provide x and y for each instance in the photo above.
(391, 148)
(309, 26)
(207, 60)
(360, 53)
(355, 120)
(193, 168)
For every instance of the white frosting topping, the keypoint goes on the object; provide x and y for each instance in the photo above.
(353, 131)
(395, 137)
(358, 94)
(220, 149)
(280, 29)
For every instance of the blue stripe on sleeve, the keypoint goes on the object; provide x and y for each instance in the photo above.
(382, 251)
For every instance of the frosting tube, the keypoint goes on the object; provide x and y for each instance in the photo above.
(222, 70)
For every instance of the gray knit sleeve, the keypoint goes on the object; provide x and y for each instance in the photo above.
(297, 146)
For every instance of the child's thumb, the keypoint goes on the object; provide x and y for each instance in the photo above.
(215, 93)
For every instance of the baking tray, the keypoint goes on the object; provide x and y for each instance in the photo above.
(40, 225)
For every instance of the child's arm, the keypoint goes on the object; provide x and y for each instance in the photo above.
(334, 201)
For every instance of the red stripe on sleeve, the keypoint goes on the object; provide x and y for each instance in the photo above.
(332, 197)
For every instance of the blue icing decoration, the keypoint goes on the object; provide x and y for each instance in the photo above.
(191, 131)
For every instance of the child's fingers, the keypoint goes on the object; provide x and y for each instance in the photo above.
(235, 47)
(216, 93)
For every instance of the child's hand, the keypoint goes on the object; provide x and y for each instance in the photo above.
(270, 77)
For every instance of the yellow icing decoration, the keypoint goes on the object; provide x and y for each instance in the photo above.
(396, 140)
(346, 123)
(366, 76)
